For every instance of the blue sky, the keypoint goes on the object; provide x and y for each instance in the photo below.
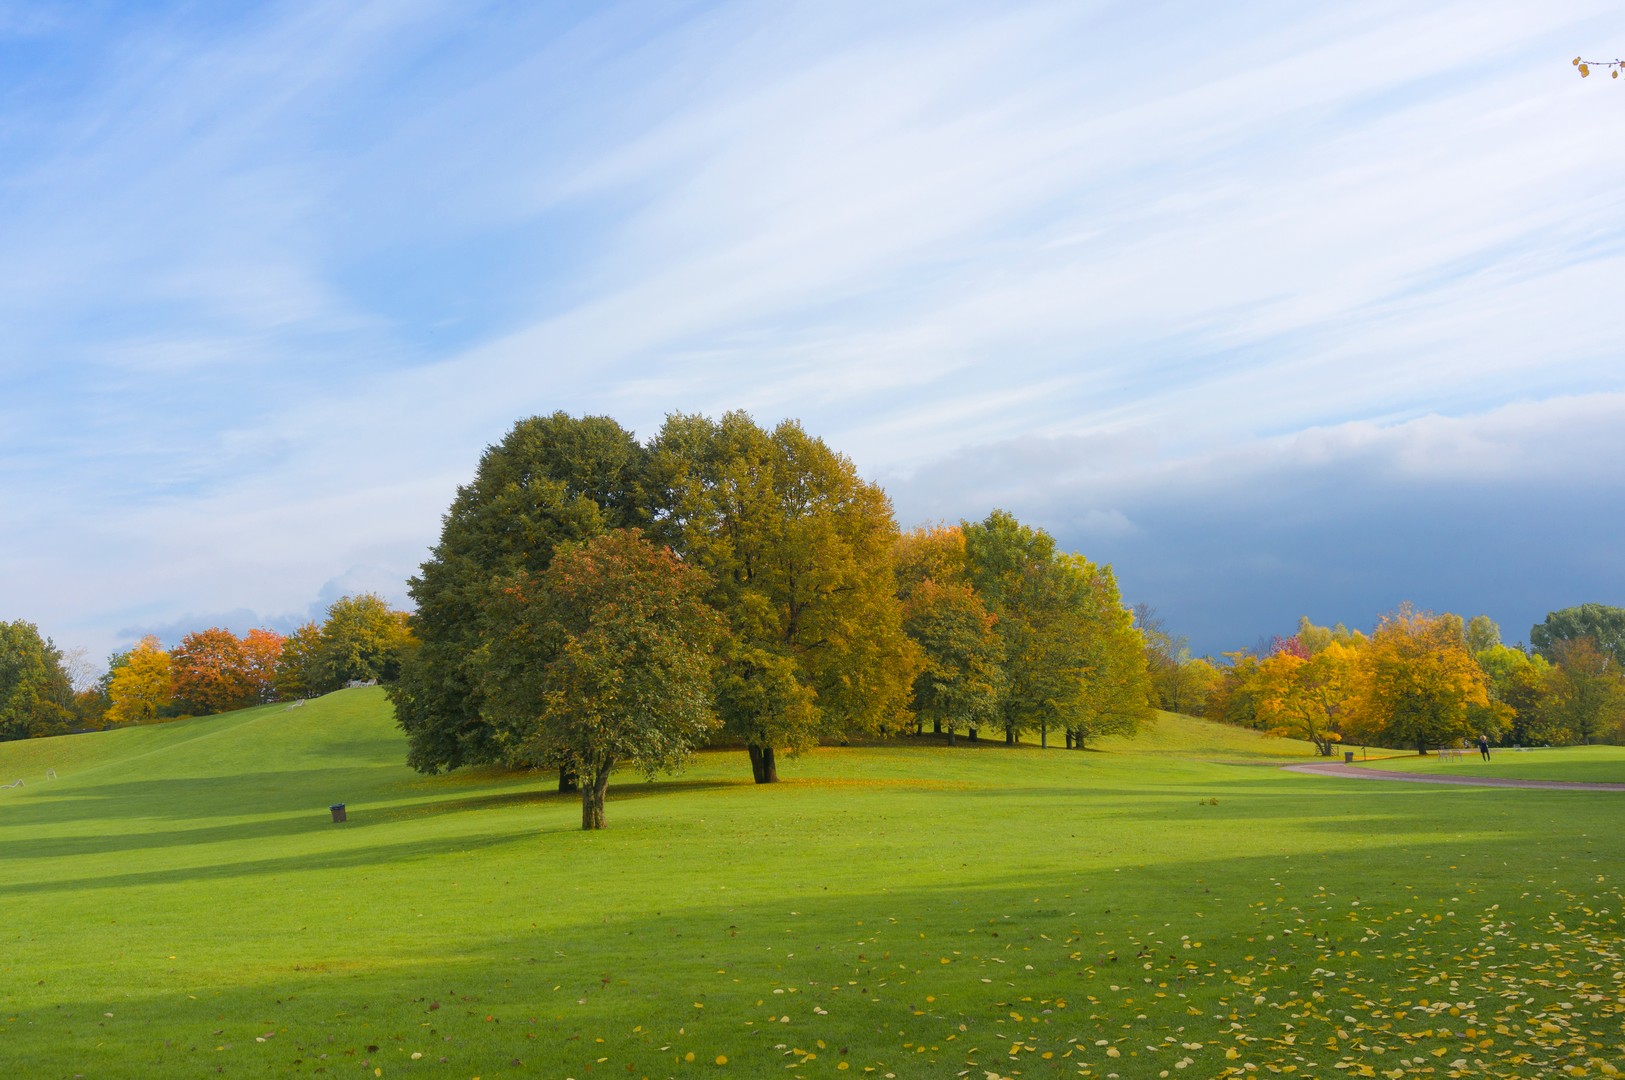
(1281, 309)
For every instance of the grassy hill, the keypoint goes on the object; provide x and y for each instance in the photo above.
(177, 902)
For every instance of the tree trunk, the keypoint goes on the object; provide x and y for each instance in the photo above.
(763, 767)
(592, 799)
(936, 727)
(568, 781)
(1009, 736)
(950, 736)
(1043, 736)
(1069, 740)
(972, 734)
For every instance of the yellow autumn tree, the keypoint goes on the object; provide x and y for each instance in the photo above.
(141, 685)
(1308, 697)
(1418, 682)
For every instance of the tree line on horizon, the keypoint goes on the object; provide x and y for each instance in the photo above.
(596, 600)
(1418, 680)
(209, 671)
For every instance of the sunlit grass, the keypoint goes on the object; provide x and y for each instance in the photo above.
(1584, 764)
(913, 910)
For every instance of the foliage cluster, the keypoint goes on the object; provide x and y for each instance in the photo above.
(1423, 680)
(36, 696)
(209, 671)
(829, 624)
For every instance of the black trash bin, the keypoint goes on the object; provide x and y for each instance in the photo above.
(1348, 759)
(338, 812)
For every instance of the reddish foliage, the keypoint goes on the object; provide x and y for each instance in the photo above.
(1291, 646)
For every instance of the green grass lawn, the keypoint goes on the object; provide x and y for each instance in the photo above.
(1587, 764)
(178, 903)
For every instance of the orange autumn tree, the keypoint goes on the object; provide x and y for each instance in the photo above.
(211, 672)
(1417, 681)
(262, 651)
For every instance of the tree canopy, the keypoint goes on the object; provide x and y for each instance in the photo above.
(551, 480)
(1072, 660)
(1604, 625)
(36, 695)
(603, 658)
(800, 550)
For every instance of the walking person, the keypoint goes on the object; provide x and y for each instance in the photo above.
(1484, 746)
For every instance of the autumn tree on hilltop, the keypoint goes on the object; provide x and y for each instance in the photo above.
(209, 672)
(362, 640)
(262, 652)
(141, 685)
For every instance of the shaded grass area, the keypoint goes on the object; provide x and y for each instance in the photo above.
(912, 910)
(1580, 764)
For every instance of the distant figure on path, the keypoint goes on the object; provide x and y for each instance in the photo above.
(1484, 746)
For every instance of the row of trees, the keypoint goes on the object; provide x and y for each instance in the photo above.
(209, 671)
(595, 600)
(1428, 680)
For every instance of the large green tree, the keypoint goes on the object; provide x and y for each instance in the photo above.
(553, 479)
(298, 672)
(959, 686)
(962, 677)
(800, 550)
(362, 640)
(1072, 659)
(1116, 686)
(1586, 693)
(36, 695)
(605, 658)
(1604, 625)
(1520, 691)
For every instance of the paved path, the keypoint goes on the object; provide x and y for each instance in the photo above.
(1355, 772)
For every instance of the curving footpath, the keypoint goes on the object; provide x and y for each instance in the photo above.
(1355, 772)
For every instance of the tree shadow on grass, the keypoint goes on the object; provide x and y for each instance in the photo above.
(197, 797)
(93, 804)
(299, 862)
